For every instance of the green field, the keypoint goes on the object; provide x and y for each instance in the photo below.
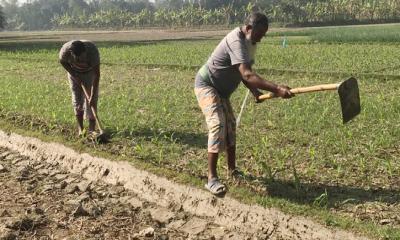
(296, 153)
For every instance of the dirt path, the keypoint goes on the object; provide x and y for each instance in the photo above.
(118, 36)
(52, 191)
(40, 200)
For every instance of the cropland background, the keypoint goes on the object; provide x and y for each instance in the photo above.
(297, 155)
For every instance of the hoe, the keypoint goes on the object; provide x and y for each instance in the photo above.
(102, 137)
(348, 94)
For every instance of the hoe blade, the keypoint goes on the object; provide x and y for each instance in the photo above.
(349, 99)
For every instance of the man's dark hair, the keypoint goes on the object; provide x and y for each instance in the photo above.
(256, 19)
(77, 48)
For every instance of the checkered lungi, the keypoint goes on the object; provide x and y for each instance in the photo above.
(221, 122)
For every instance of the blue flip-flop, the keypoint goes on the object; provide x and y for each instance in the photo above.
(215, 187)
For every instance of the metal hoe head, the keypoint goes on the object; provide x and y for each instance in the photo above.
(349, 99)
(101, 138)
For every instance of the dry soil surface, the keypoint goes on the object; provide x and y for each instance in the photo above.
(49, 191)
(43, 201)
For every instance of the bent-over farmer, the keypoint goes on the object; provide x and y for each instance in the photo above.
(230, 63)
(81, 59)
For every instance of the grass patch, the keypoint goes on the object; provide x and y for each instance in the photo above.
(385, 33)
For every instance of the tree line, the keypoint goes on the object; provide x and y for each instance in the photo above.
(59, 14)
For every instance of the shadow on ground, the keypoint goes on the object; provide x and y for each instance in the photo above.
(191, 139)
(325, 195)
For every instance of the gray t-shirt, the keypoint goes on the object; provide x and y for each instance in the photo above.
(93, 57)
(223, 71)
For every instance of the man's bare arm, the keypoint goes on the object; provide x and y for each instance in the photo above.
(256, 93)
(254, 81)
(69, 69)
(96, 81)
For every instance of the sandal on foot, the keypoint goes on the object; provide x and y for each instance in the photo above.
(215, 187)
(237, 174)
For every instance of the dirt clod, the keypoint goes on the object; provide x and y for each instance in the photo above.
(8, 235)
(148, 232)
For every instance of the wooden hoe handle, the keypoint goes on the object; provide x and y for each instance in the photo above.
(317, 88)
(93, 110)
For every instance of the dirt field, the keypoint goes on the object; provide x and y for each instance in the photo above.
(119, 36)
(100, 36)
(43, 201)
(52, 192)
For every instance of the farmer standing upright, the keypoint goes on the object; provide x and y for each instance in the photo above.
(81, 59)
(230, 63)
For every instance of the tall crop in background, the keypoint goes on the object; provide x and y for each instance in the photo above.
(2, 18)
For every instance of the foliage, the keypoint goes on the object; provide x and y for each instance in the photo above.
(335, 11)
(187, 17)
(48, 14)
(2, 18)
